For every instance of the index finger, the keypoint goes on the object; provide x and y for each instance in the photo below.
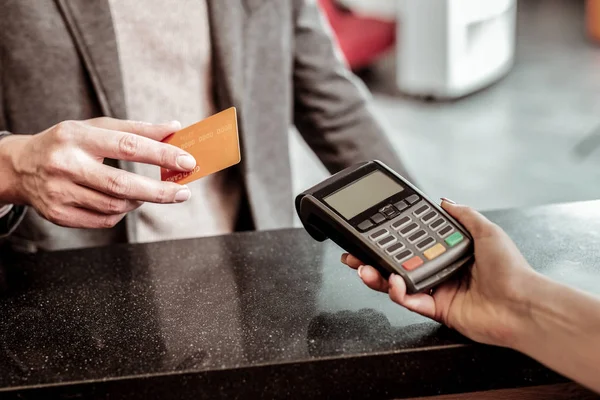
(477, 225)
(152, 131)
(131, 147)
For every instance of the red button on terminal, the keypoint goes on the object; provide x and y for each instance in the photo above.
(413, 263)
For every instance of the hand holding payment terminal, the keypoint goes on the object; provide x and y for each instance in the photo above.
(379, 217)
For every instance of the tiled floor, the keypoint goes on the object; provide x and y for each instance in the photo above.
(527, 140)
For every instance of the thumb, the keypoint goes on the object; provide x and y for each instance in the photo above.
(477, 225)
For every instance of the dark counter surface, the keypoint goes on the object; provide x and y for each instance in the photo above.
(271, 314)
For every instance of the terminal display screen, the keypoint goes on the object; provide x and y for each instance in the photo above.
(363, 194)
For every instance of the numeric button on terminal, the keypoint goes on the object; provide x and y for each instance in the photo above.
(386, 241)
(395, 247)
(409, 229)
(429, 217)
(380, 234)
(403, 256)
(445, 231)
(437, 224)
(419, 235)
(426, 243)
(401, 222)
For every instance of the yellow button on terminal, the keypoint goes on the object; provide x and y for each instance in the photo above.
(435, 251)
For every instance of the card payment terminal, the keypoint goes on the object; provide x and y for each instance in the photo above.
(379, 217)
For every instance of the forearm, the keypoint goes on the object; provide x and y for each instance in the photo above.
(561, 329)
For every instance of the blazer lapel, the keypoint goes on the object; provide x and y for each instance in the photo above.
(227, 26)
(91, 26)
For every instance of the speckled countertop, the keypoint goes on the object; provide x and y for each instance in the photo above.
(271, 314)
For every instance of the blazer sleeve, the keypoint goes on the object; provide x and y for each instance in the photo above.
(332, 108)
(10, 221)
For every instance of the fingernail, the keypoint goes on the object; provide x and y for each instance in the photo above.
(394, 279)
(176, 125)
(359, 270)
(448, 200)
(344, 257)
(183, 195)
(186, 162)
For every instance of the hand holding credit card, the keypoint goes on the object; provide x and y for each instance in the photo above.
(213, 142)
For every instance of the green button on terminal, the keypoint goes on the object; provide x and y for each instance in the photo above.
(454, 239)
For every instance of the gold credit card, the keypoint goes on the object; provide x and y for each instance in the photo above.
(213, 142)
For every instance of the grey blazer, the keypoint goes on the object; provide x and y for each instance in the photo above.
(274, 60)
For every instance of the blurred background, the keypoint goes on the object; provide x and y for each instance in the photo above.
(492, 103)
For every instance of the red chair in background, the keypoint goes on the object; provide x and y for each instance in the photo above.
(362, 40)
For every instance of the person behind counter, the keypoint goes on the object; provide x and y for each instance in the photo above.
(504, 302)
(67, 66)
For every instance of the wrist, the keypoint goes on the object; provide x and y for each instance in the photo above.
(10, 148)
(517, 308)
(540, 312)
